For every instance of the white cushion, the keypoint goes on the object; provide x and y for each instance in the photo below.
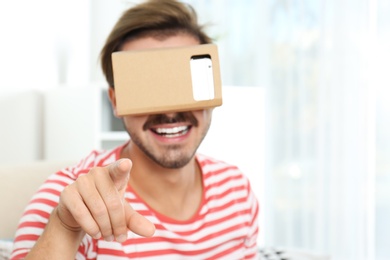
(18, 184)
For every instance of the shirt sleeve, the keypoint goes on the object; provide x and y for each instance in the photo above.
(37, 213)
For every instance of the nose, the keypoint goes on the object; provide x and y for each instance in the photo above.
(171, 114)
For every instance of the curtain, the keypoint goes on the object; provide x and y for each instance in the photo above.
(322, 140)
(328, 97)
(381, 80)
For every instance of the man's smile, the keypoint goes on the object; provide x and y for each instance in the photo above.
(171, 132)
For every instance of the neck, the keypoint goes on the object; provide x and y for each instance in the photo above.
(166, 190)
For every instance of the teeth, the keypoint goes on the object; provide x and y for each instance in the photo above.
(172, 130)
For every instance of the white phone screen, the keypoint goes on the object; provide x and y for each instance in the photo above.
(202, 77)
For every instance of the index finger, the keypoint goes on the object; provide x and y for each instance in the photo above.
(120, 173)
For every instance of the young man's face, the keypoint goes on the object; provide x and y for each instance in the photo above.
(169, 139)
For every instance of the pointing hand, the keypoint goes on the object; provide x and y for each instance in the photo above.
(95, 203)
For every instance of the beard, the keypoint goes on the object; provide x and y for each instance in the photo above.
(173, 156)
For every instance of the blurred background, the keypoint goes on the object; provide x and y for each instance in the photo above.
(321, 68)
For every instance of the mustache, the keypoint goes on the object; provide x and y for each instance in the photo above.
(164, 119)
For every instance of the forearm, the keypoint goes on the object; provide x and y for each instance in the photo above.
(57, 241)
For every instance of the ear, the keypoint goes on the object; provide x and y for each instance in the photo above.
(112, 97)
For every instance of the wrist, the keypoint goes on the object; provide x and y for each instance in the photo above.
(58, 240)
(57, 215)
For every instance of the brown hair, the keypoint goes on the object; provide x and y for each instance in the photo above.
(156, 18)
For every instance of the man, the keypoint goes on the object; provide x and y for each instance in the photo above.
(152, 197)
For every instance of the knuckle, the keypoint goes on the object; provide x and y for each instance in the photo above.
(99, 211)
(83, 180)
(67, 193)
(114, 204)
(77, 213)
(96, 171)
(92, 230)
(93, 170)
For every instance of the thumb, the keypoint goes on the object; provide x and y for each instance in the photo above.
(120, 173)
(138, 223)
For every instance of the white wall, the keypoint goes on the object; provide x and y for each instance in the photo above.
(50, 43)
(21, 135)
(44, 44)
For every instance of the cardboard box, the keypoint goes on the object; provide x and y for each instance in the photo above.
(167, 79)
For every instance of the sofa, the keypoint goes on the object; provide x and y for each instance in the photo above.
(18, 182)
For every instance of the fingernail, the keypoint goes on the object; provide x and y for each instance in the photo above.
(118, 162)
(121, 238)
(97, 236)
(109, 238)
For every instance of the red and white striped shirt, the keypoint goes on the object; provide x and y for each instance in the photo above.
(225, 226)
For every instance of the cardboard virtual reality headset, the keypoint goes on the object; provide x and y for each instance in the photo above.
(167, 79)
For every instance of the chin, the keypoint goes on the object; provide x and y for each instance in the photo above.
(174, 162)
